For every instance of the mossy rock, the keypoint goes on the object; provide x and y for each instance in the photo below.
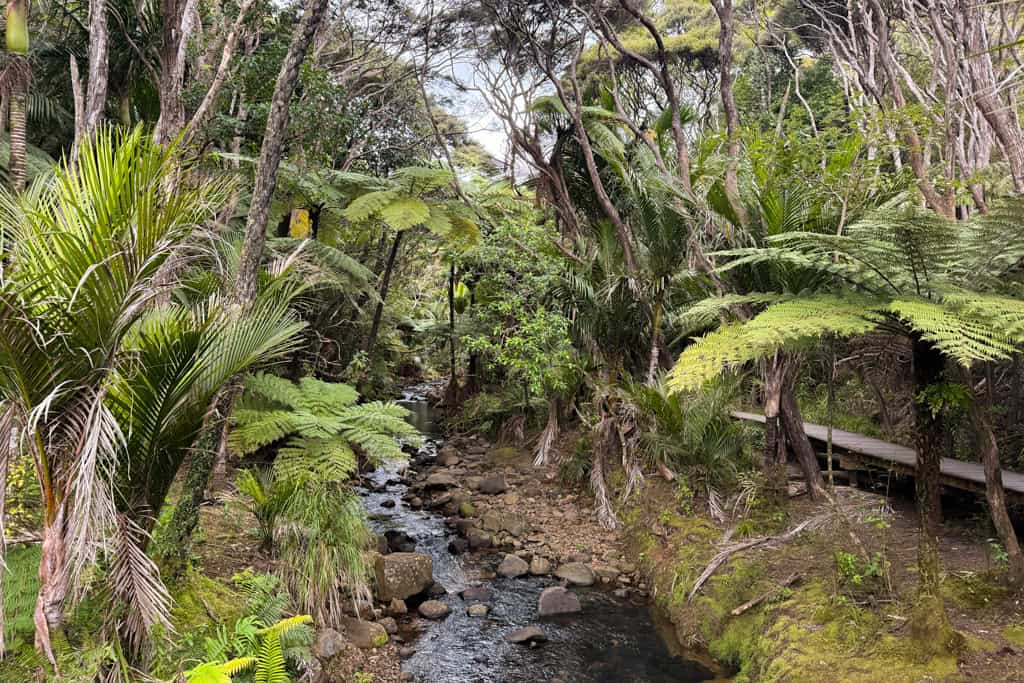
(466, 509)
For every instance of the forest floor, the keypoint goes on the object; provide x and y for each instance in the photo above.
(832, 623)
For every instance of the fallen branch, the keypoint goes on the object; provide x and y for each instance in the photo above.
(719, 559)
(751, 604)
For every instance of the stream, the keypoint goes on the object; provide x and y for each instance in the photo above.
(612, 640)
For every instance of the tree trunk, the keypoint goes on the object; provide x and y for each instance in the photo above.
(1000, 116)
(385, 282)
(994, 492)
(793, 425)
(774, 437)
(53, 584)
(17, 46)
(96, 88)
(174, 546)
(727, 30)
(453, 382)
(930, 624)
(652, 356)
(18, 147)
(272, 149)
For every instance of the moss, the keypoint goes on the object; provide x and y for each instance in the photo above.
(466, 509)
(1015, 634)
(974, 590)
(381, 639)
(506, 453)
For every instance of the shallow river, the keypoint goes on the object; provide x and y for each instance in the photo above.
(612, 640)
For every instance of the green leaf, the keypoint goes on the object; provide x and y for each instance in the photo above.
(405, 213)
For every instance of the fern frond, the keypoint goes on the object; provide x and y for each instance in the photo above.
(253, 429)
(405, 213)
(270, 666)
(364, 207)
(286, 626)
(788, 324)
(960, 335)
(273, 388)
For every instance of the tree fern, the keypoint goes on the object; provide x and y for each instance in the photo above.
(944, 281)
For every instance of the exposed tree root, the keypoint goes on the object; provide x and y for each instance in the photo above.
(719, 559)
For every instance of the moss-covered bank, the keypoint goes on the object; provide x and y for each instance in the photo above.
(807, 632)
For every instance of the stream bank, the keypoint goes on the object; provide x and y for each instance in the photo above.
(499, 534)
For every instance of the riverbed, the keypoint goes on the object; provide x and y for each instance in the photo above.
(614, 639)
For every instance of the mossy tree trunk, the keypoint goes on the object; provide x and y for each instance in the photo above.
(793, 425)
(930, 625)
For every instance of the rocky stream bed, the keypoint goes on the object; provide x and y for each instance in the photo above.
(488, 572)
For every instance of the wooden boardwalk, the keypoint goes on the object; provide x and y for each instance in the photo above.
(857, 451)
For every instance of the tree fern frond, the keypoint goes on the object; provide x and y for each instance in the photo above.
(255, 429)
(270, 666)
(365, 206)
(787, 324)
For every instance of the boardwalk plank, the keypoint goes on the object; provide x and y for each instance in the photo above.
(972, 474)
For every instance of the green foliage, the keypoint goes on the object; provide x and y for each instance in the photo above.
(20, 585)
(317, 523)
(257, 649)
(692, 433)
(265, 498)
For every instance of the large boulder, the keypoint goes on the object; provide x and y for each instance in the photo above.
(512, 567)
(576, 573)
(402, 575)
(557, 600)
(365, 634)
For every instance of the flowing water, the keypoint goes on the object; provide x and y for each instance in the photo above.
(613, 640)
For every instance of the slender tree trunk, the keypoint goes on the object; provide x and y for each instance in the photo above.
(994, 492)
(930, 624)
(453, 382)
(774, 436)
(1000, 116)
(793, 425)
(385, 282)
(727, 31)
(272, 149)
(18, 146)
(53, 584)
(96, 88)
(652, 355)
(174, 548)
(17, 40)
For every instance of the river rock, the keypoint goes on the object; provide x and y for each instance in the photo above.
(365, 634)
(402, 575)
(328, 643)
(415, 502)
(476, 594)
(473, 483)
(466, 509)
(440, 480)
(491, 521)
(512, 567)
(493, 485)
(540, 566)
(576, 573)
(479, 539)
(478, 610)
(397, 608)
(434, 609)
(530, 634)
(387, 503)
(399, 542)
(389, 624)
(557, 600)
(448, 457)
(457, 546)
(515, 525)
(607, 574)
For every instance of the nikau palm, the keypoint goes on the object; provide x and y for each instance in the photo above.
(105, 380)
